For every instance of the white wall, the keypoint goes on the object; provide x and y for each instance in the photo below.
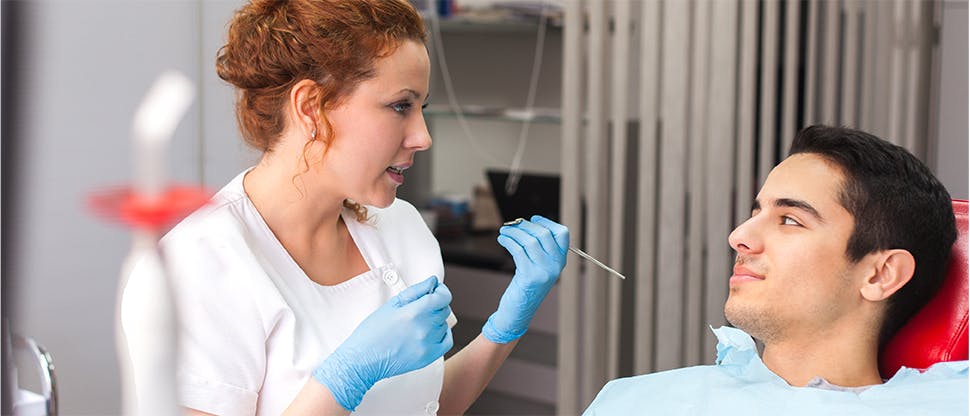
(223, 150)
(88, 65)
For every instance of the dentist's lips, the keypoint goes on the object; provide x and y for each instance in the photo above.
(397, 173)
(742, 275)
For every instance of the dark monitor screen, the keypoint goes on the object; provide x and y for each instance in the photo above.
(535, 194)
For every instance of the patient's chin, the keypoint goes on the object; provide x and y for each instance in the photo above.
(757, 322)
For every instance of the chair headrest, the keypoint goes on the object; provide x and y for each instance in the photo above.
(938, 332)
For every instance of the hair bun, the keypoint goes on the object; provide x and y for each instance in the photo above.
(259, 38)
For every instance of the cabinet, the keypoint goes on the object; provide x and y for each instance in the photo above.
(477, 272)
(526, 382)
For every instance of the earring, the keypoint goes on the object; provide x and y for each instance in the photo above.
(313, 134)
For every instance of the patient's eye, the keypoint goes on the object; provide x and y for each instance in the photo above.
(786, 220)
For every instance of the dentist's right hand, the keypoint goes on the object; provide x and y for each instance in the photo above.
(539, 249)
(405, 334)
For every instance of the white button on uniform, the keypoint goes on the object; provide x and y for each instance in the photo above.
(432, 408)
(390, 277)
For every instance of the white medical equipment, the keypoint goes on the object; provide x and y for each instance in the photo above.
(147, 207)
(159, 113)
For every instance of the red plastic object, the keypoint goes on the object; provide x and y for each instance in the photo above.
(938, 332)
(124, 205)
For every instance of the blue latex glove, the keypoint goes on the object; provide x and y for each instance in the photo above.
(539, 249)
(405, 334)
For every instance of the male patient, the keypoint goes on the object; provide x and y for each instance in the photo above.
(847, 239)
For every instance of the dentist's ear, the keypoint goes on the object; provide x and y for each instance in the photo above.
(893, 269)
(303, 107)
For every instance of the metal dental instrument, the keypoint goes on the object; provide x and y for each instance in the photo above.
(581, 253)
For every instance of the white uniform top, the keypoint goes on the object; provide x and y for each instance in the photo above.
(253, 326)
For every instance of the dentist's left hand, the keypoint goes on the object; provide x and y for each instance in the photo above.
(407, 333)
(539, 249)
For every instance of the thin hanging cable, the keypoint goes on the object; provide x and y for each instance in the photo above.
(450, 92)
(515, 171)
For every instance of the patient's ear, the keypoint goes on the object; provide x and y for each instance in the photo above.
(893, 269)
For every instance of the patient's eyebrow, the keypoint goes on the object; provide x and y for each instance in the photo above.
(800, 205)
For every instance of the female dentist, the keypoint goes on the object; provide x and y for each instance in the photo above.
(305, 286)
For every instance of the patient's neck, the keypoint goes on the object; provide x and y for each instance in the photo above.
(839, 358)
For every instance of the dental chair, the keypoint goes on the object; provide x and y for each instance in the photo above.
(938, 332)
(38, 365)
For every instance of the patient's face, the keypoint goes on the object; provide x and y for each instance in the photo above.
(792, 276)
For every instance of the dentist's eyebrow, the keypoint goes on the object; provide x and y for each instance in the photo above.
(799, 205)
(414, 94)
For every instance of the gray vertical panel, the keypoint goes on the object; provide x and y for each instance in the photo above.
(720, 168)
(620, 80)
(920, 60)
(850, 64)
(933, 119)
(910, 82)
(883, 44)
(697, 137)
(830, 61)
(744, 176)
(791, 75)
(897, 102)
(811, 63)
(769, 60)
(673, 158)
(647, 190)
(568, 337)
(594, 293)
(867, 97)
(929, 56)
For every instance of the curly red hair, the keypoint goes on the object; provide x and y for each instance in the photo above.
(273, 44)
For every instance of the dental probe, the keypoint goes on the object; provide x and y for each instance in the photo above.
(581, 253)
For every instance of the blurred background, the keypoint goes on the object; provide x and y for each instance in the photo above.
(646, 126)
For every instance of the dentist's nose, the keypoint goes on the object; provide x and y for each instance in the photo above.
(419, 138)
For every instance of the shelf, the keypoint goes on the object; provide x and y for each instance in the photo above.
(507, 18)
(467, 25)
(536, 115)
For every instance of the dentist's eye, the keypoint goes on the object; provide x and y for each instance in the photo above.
(402, 107)
(786, 220)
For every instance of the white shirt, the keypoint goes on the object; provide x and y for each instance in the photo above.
(253, 326)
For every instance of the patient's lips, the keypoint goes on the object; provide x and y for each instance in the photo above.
(743, 274)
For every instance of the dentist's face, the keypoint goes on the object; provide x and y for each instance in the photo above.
(792, 275)
(380, 127)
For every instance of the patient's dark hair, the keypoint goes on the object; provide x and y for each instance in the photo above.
(897, 203)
